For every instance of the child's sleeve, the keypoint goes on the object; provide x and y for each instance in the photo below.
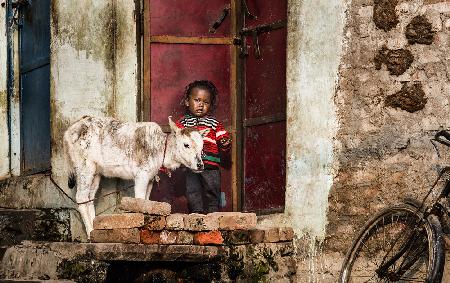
(221, 133)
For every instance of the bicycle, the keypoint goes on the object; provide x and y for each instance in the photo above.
(404, 242)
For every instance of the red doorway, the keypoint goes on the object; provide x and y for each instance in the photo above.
(179, 48)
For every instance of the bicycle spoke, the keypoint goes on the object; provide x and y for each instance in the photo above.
(370, 258)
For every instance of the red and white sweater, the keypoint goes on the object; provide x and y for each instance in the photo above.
(211, 145)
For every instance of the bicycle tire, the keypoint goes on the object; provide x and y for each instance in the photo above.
(412, 227)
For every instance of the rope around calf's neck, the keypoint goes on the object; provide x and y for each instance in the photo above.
(163, 168)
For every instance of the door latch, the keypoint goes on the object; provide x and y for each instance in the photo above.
(254, 32)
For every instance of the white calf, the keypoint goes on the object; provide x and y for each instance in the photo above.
(98, 147)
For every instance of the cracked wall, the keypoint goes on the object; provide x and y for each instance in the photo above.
(387, 115)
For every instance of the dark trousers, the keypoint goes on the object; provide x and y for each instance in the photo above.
(203, 191)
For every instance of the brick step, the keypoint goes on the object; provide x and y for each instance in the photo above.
(149, 222)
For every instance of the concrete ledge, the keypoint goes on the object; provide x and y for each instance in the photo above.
(139, 252)
(89, 261)
(124, 252)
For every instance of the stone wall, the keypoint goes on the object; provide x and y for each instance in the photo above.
(393, 95)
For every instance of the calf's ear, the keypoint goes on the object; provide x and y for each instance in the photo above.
(204, 132)
(173, 126)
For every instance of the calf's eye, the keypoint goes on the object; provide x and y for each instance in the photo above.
(186, 145)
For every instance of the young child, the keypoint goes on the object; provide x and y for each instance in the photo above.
(203, 189)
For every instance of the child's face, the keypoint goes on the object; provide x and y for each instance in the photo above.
(199, 102)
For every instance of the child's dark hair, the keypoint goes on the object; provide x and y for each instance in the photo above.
(205, 85)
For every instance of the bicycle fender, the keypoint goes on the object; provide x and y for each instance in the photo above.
(438, 245)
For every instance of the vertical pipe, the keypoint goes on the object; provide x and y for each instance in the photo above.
(10, 70)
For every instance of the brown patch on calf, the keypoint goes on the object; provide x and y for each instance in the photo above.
(141, 147)
(410, 98)
(397, 61)
(82, 131)
(419, 30)
(111, 129)
(187, 131)
(384, 15)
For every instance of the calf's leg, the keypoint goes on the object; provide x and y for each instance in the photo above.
(93, 190)
(149, 190)
(85, 181)
(140, 186)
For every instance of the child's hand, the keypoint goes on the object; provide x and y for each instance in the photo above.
(225, 142)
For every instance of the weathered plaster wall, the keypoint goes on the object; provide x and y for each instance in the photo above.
(93, 70)
(4, 143)
(93, 64)
(315, 43)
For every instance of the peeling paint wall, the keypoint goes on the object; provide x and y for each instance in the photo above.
(93, 59)
(93, 70)
(4, 142)
(315, 42)
(126, 64)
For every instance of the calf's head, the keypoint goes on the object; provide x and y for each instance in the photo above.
(188, 146)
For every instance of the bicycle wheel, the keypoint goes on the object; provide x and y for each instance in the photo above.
(397, 245)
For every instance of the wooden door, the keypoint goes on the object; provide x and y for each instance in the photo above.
(264, 121)
(35, 86)
(178, 49)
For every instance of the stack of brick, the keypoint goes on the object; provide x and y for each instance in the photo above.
(150, 222)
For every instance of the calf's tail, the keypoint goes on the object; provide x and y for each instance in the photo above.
(71, 177)
(72, 180)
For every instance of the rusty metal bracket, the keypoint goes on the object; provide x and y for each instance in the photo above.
(247, 11)
(255, 32)
(217, 23)
(264, 27)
